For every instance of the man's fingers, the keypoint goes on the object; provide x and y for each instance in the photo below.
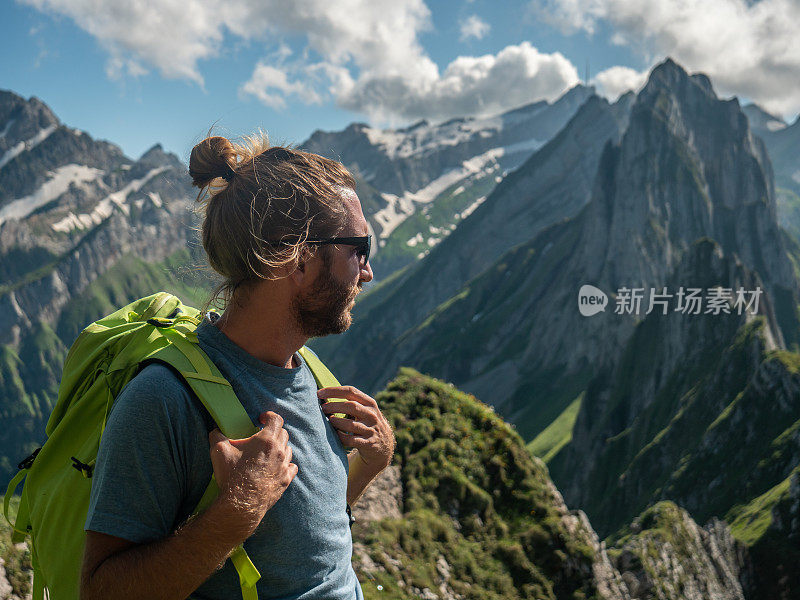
(354, 409)
(353, 440)
(347, 391)
(221, 449)
(350, 426)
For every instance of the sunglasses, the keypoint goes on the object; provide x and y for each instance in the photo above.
(362, 243)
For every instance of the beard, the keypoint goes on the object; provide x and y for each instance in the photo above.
(325, 308)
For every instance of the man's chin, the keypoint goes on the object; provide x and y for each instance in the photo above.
(342, 325)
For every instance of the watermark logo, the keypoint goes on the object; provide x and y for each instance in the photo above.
(591, 300)
(688, 301)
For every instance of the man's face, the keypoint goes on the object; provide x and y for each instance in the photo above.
(324, 308)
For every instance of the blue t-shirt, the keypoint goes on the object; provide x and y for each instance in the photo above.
(153, 467)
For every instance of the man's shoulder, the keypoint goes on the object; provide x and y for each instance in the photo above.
(157, 389)
(157, 380)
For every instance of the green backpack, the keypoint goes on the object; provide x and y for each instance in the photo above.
(106, 355)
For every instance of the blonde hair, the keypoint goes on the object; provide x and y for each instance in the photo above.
(259, 204)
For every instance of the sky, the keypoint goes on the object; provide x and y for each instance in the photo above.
(147, 72)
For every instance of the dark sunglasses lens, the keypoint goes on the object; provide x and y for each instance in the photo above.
(363, 252)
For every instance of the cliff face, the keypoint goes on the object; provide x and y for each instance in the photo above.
(675, 377)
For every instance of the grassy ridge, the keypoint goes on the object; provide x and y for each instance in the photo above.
(473, 497)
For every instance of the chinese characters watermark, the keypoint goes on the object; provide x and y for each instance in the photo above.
(688, 301)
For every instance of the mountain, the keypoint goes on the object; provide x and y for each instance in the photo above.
(686, 167)
(83, 229)
(466, 512)
(713, 401)
(420, 181)
(761, 122)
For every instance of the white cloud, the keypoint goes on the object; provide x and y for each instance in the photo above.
(615, 81)
(365, 54)
(749, 48)
(469, 85)
(271, 85)
(171, 36)
(175, 35)
(474, 27)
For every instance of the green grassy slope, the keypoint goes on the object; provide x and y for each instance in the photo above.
(473, 495)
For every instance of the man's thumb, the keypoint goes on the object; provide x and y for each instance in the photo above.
(219, 443)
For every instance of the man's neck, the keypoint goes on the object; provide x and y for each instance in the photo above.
(263, 330)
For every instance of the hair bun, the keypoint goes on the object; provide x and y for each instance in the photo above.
(213, 157)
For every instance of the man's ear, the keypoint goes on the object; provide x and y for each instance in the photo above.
(305, 271)
(299, 275)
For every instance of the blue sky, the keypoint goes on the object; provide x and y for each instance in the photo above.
(142, 73)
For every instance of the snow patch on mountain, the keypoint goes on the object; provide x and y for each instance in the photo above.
(423, 137)
(59, 182)
(105, 207)
(7, 127)
(776, 125)
(471, 208)
(399, 208)
(26, 145)
(417, 239)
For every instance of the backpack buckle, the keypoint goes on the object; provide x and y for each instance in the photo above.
(27, 463)
(160, 322)
(82, 468)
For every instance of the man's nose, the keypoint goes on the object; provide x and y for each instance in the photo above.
(366, 273)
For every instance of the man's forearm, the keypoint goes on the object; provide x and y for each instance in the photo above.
(173, 567)
(361, 475)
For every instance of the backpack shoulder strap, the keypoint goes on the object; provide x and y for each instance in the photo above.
(219, 399)
(205, 380)
(322, 374)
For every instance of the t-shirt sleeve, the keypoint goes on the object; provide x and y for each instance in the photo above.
(154, 439)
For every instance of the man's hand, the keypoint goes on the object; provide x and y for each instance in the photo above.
(253, 473)
(367, 430)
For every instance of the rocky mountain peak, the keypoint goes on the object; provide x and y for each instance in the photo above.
(19, 116)
(687, 167)
(157, 157)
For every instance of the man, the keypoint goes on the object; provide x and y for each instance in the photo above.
(283, 490)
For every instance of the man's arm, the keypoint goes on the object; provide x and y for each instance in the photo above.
(252, 475)
(367, 431)
(361, 475)
(170, 568)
